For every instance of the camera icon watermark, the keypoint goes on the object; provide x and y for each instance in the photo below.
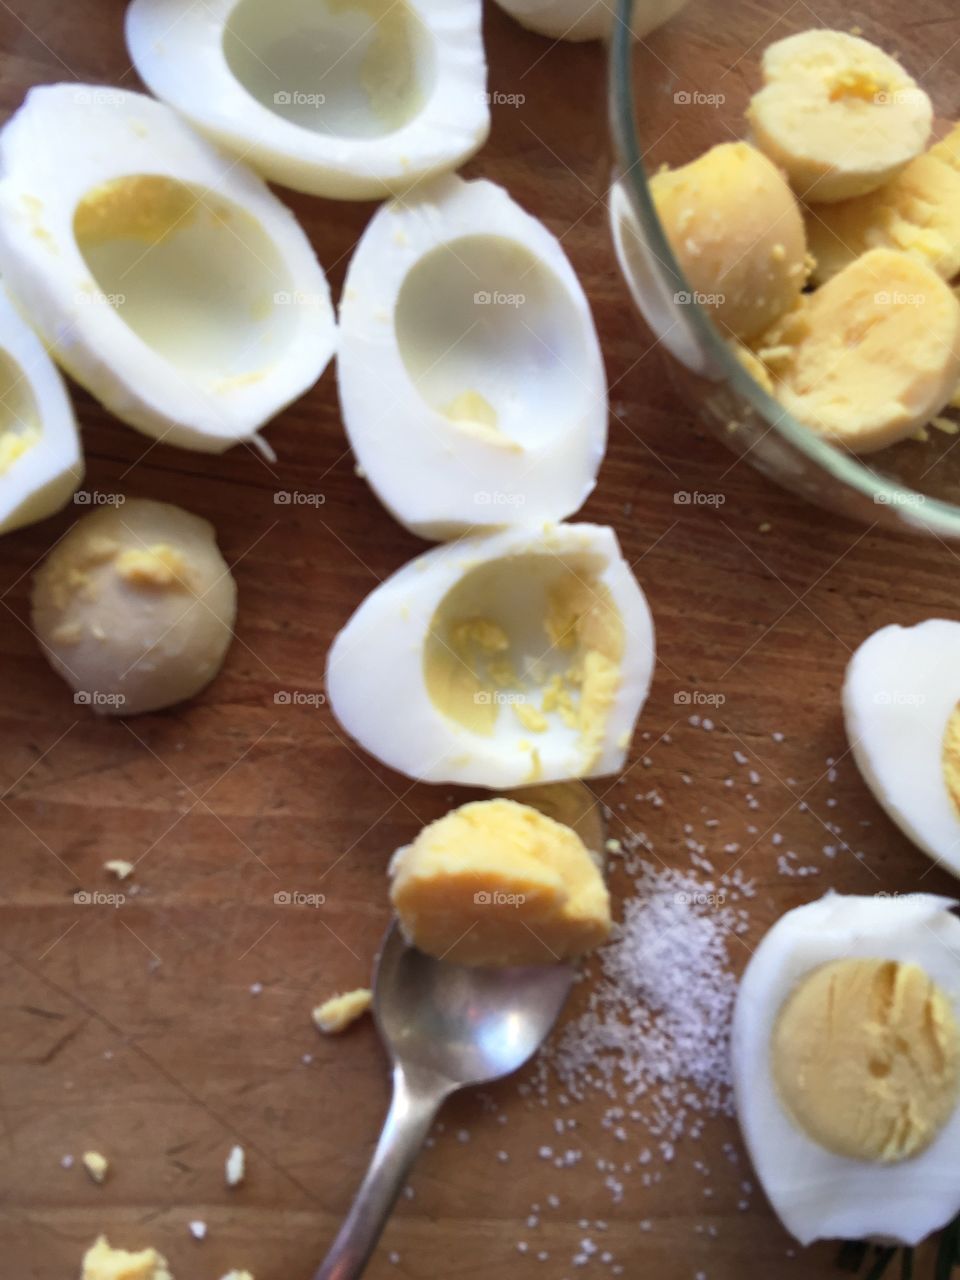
(497, 898)
(295, 898)
(96, 698)
(297, 98)
(698, 698)
(94, 898)
(498, 298)
(96, 498)
(299, 698)
(696, 98)
(298, 498)
(698, 498)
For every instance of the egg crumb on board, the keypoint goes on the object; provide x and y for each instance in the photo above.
(917, 212)
(235, 1166)
(162, 281)
(135, 607)
(870, 357)
(97, 1165)
(900, 699)
(497, 883)
(350, 101)
(548, 618)
(738, 235)
(846, 1063)
(337, 1013)
(101, 1262)
(120, 868)
(837, 114)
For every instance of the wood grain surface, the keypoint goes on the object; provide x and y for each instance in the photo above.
(134, 1030)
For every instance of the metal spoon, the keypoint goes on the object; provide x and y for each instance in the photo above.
(445, 1026)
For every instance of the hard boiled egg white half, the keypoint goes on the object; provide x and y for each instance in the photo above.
(501, 660)
(470, 374)
(345, 98)
(41, 462)
(900, 699)
(845, 1028)
(163, 275)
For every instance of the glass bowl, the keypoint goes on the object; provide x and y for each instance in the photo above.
(674, 94)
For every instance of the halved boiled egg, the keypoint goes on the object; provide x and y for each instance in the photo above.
(470, 374)
(846, 1064)
(41, 462)
(901, 705)
(163, 275)
(345, 98)
(588, 19)
(511, 658)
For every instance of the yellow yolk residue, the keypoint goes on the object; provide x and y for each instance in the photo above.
(866, 1058)
(14, 444)
(100, 1262)
(158, 566)
(497, 883)
(951, 757)
(144, 208)
(337, 1013)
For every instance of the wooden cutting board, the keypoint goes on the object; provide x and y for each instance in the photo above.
(134, 1030)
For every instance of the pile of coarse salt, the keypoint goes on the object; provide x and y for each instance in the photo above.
(655, 1035)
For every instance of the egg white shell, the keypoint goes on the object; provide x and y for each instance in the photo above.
(901, 687)
(588, 19)
(66, 140)
(538, 362)
(41, 480)
(375, 676)
(819, 1195)
(179, 52)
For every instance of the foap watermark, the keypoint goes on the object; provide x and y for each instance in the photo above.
(298, 498)
(899, 499)
(296, 898)
(298, 698)
(96, 298)
(299, 298)
(297, 98)
(697, 98)
(686, 298)
(94, 898)
(496, 498)
(898, 698)
(497, 298)
(899, 298)
(698, 698)
(97, 498)
(97, 97)
(698, 498)
(497, 898)
(497, 98)
(499, 698)
(893, 97)
(95, 698)
(701, 899)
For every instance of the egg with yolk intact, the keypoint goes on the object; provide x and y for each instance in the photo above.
(900, 704)
(516, 657)
(41, 462)
(346, 98)
(469, 369)
(163, 275)
(846, 1066)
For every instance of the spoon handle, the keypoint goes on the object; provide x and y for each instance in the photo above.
(415, 1102)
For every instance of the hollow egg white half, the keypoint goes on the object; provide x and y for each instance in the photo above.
(471, 380)
(588, 19)
(817, 1194)
(345, 98)
(41, 462)
(163, 275)
(500, 660)
(901, 689)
